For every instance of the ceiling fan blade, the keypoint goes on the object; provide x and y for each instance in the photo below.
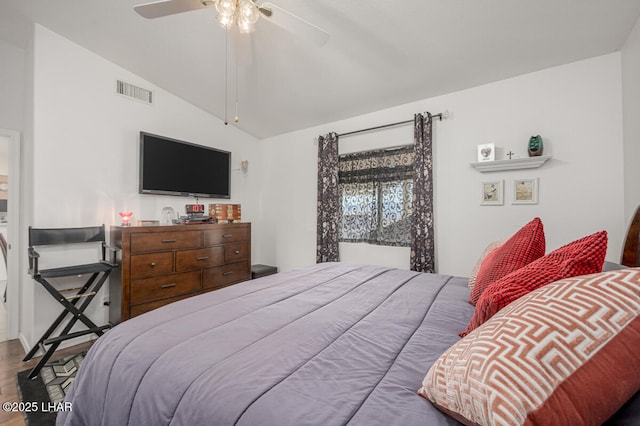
(265, 11)
(169, 7)
(294, 24)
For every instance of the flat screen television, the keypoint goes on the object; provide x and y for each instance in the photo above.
(172, 167)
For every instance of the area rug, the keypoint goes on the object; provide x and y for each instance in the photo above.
(44, 394)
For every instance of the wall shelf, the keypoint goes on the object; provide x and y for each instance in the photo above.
(515, 164)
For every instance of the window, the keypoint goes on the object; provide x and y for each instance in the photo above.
(376, 188)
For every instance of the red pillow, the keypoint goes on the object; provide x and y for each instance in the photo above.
(522, 248)
(581, 257)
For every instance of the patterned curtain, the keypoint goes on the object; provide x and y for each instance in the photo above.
(422, 239)
(376, 188)
(328, 199)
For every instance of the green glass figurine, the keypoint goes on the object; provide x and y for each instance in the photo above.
(535, 146)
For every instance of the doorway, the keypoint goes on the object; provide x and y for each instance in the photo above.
(4, 195)
(9, 228)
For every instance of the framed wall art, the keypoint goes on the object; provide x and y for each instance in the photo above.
(525, 191)
(492, 193)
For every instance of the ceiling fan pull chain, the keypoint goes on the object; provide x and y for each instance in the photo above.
(236, 118)
(226, 67)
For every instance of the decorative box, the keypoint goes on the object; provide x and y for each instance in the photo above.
(486, 152)
(225, 212)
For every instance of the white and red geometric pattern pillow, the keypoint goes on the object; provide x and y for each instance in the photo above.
(580, 257)
(525, 246)
(564, 354)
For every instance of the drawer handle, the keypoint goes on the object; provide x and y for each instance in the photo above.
(169, 285)
(227, 236)
(169, 241)
(202, 258)
(153, 264)
(228, 273)
(237, 252)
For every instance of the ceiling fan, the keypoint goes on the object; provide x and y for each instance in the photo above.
(240, 13)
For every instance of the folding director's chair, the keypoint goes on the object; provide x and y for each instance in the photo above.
(99, 273)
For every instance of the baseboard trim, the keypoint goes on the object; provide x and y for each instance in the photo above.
(24, 342)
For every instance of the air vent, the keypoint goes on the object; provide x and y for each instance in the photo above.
(134, 92)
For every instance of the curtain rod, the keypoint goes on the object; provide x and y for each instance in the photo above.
(440, 116)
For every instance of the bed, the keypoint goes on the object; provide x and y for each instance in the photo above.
(331, 344)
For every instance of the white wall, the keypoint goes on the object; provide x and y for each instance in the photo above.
(84, 161)
(26, 289)
(576, 108)
(631, 108)
(12, 86)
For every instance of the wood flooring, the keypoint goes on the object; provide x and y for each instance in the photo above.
(11, 354)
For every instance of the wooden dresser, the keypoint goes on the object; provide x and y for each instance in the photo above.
(163, 264)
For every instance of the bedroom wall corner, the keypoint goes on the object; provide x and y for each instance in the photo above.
(27, 312)
(631, 124)
(288, 200)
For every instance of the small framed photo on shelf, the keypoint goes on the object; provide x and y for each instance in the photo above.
(486, 152)
(492, 193)
(525, 191)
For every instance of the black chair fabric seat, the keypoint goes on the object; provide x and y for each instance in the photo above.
(68, 271)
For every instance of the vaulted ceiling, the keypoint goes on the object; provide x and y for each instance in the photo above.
(380, 53)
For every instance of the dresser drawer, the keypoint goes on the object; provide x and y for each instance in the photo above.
(148, 265)
(159, 241)
(197, 259)
(136, 310)
(236, 252)
(222, 236)
(224, 275)
(149, 289)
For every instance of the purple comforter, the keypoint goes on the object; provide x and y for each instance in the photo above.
(332, 344)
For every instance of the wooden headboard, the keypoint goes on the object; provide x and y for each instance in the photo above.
(631, 252)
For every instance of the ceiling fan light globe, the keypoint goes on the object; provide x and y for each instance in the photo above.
(226, 7)
(249, 11)
(225, 21)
